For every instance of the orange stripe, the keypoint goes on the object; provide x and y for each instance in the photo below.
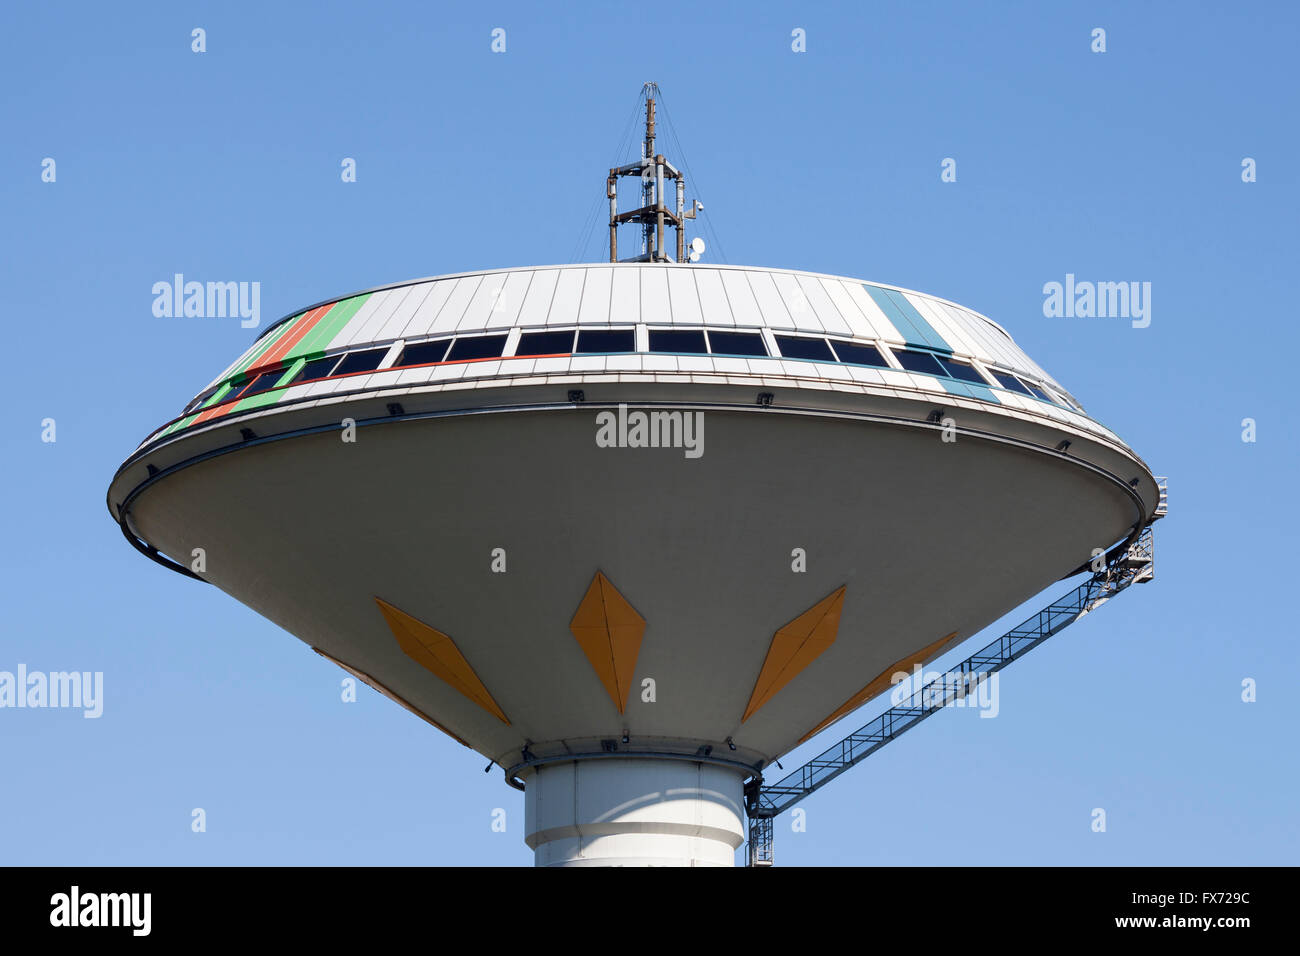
(216, 411)
(291, 338)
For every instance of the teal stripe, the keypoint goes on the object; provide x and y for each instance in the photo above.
(929, 336)
(894, 314)
(910, 323)
(969, 389)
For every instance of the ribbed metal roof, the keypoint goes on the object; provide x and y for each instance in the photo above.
(668, 295)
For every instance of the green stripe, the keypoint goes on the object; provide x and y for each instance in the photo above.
(319, 338)
(273, 396)
(185, 422)
(214, 400)
(316, 339)
(244, 364)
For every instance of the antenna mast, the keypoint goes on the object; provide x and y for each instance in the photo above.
(653, 214)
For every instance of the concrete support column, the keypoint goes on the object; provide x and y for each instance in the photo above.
(634, 811)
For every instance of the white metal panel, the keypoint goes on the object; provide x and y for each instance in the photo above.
(863, 374)
(594, 309)
(793, 301)
(849, 312)
(623, 363)
(385, 378)
(927, 383)
(713, 298)
(770, 305)
(512, 297)
(567, 298)
(422, 321)
(485, 309)
(655, 362)
(293, 393)
(446, 373)
(656, 308)
(1015, 355)
(824, 307)
(356, 329)
(956, 334)
(549, 366)
(400, 318)
(482, 369)
(731, 365)
(537, 300)
(896, 379)
(685, 301)
(388, 302)
(448, 316)
(985, 337)
(884, 329)
(694, 363)
(996, 343)
(960, 324)
(415, 376)
(740, 296)
(625, 296)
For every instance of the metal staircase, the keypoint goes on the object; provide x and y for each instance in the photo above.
(1132, 565)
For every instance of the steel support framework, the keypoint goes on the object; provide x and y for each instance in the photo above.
(1131, 565)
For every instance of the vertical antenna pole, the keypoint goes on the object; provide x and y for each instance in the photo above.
(611, 190)
(647, 185)
(659, 209)
(681, 221)
(656, 211)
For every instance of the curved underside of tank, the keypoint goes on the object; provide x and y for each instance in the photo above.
(499, 571)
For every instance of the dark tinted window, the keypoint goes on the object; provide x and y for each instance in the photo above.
(607, 340)
(1038, 392)
(545, 343)
(962, 371)
(423, 353)
(794, 347)
(317, 368)
(1011, 382)
(232, 394)
(361, 361)
(690, 341)
(736, 343)
(264, 382)
(476, 347)
(855, 353)
(922, 362)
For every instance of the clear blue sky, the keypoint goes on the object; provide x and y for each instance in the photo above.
(225, 166)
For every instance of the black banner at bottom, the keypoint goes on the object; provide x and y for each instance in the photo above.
(371, 904)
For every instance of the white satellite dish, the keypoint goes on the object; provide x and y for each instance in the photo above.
(697, 249)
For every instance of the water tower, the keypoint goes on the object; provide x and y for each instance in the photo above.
(633, 530)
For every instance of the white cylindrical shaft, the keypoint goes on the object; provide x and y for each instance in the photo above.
(634, 811)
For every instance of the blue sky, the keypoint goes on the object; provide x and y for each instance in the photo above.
(1116, 166)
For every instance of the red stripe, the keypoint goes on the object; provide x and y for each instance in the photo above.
(214, 412)
(291, 338)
